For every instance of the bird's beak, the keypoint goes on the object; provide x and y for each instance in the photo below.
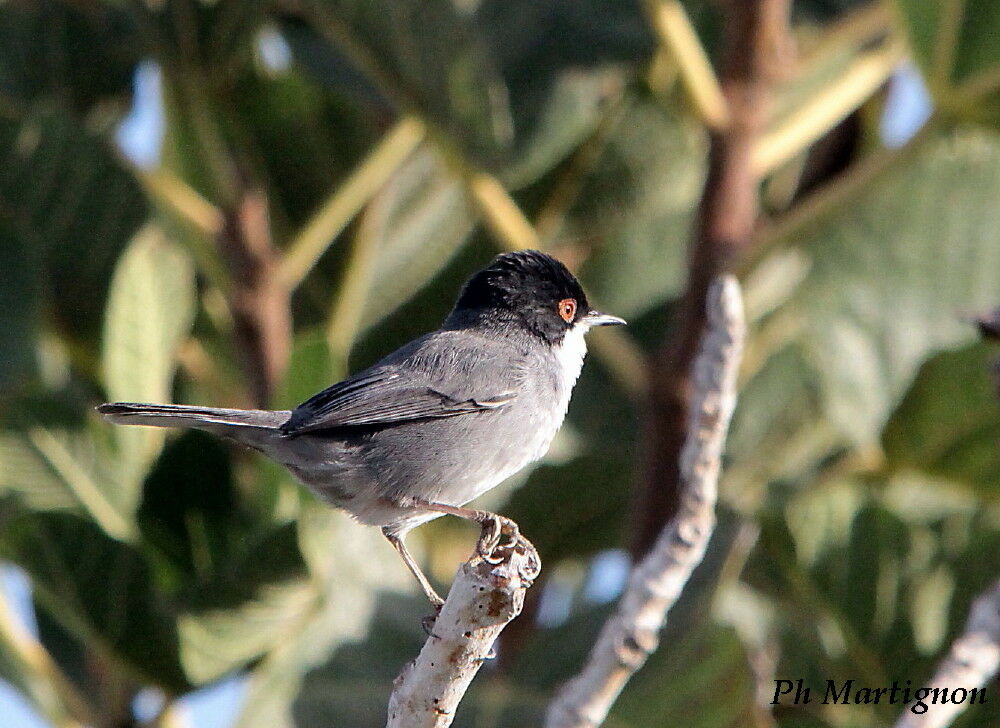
(596, 318)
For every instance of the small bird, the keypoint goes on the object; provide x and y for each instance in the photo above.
(439, 421)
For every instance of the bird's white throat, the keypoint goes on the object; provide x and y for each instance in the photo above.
(569, 353)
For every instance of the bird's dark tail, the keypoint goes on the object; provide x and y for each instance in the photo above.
(219, 421)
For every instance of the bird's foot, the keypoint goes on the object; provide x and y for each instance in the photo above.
(532, 565)
(490, 547)
(501, 538)
(428, 622)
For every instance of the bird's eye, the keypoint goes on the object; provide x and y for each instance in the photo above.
(567, 309)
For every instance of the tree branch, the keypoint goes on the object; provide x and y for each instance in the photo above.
(631, 634)
(483, 599)
(755, 37)
(971, 662)
(259, 301)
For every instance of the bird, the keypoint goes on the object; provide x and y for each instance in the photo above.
(439, 421)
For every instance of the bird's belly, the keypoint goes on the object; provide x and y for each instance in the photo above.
(450, 461)
(509, 449)
(456, 460)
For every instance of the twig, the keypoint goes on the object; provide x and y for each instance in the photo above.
(166, 188)
(974, 657)
(483, 599)
(52, 691)
(816, 116)
(183, 203)
(755, 39)
(631, 634)
(500, 212)
(340, 208)
(971, 662)
(351, 297)
(677, 36)
(258, 301)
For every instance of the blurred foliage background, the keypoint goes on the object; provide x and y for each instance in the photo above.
(236, 202)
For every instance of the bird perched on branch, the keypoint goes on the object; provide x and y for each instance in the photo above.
(436, 423)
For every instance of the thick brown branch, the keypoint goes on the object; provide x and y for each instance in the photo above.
(259, 302)
(755, 36)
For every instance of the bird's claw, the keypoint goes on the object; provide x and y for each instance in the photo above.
(489, 539)
(495, 528)
(533, 567)
(428, 622)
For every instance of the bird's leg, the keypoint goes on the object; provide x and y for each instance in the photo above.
(494, 526)
(397, 543)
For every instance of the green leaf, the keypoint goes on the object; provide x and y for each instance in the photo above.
(350, 565)
(592, 493)
(23, 470)
(247, 607)
(203, 534)
(636, 208)
(57, 180)
(72, 565)
(67, 470)
(426, 309)
(702, 665)
(958, 46)
(306, 138)
(423, 221)
(80, 56)
(76, 468)
(19, 303)
(870, 581)
(571, 111)
(948, 424)
(562, 63)
(929, 607)
(352, 686)
(309, 369)
(237, 581)
(446, 75)
(150, 310)
(777, 418)
(894, 275)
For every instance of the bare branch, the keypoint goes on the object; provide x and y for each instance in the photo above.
(483, 599)
(631, 634)
(971, 662)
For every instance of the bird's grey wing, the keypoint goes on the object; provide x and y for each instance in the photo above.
(411, 389)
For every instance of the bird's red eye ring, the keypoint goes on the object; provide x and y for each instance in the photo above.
(567, 309)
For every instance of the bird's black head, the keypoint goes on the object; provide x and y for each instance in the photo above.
(529, 290)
